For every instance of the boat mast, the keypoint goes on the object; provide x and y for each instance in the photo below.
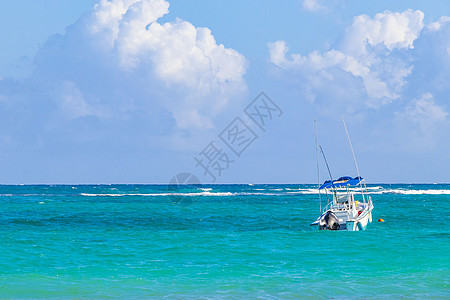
(317, 162)
(354, 157)
(329, 172)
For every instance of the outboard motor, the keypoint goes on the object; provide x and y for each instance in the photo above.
(329, 222)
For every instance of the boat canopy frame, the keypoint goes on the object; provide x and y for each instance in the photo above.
(344, 181)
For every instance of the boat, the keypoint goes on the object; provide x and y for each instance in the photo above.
(349, 207)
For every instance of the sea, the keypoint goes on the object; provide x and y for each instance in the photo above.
(219, 242)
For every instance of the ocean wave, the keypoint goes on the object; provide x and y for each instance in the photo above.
(370, 188)
(371, 191)
(208, 192)
(304, 192)
(381, 190)
(159, 194)
(411, 192)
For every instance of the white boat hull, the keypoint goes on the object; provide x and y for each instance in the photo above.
(360, 223)
(347, 223)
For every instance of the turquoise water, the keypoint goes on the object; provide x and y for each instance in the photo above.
(218, 241)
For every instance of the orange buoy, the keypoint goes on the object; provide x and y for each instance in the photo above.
(380, 220)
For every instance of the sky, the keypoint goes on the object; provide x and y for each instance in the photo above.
(139, 91)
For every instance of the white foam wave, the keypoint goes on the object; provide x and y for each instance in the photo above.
(369, 188)
(381, 190)
(412, 192)
(304, 191)
(257, 194)
(159, 194)
(103, 195)
(370, 191)
(216, 194)
(207, 192)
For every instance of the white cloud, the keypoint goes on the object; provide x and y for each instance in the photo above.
(118, 61)
(313, 5)
(119, 77)
(314, 61)
(72, 102)
(425, 111)
(417, 127)
(391, 72)
(109, 14)
(184, 57)
(436, 26)
(390, 29)
(365, 52)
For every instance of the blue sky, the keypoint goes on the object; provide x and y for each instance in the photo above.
(132, 91)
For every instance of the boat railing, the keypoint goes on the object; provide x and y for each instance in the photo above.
(327, 207)
(338, 206)
(341, 200)
(341, 206)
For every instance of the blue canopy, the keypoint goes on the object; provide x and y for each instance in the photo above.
(343, 181)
